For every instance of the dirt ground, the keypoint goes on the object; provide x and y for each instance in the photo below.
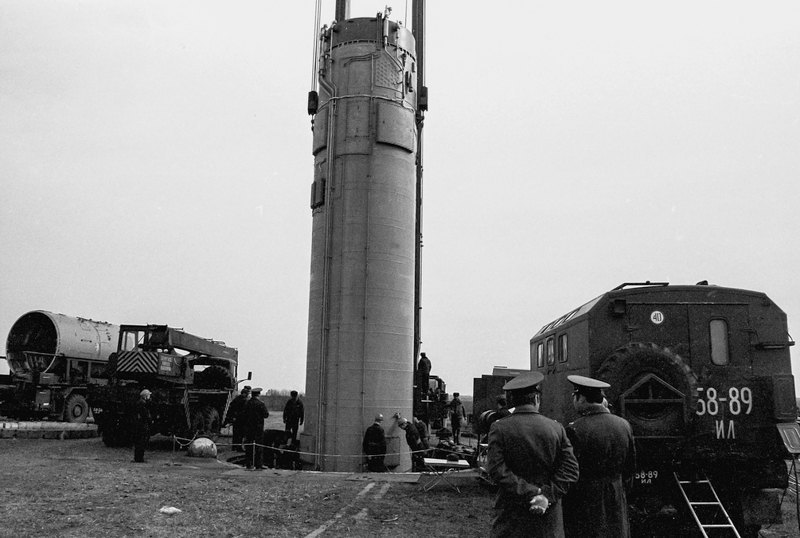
(82, 488)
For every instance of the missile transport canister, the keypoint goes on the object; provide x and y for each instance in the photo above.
(360, 351)
(53, 358)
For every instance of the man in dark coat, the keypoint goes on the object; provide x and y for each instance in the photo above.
(531, 461)
(234, 416)
(293, 415)
(597, 505)
(255, 411)
(374, 446)
(414, 444)
(141, 434)
(423, 375)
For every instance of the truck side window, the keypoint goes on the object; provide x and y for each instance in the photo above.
(562, 348)
(540, 354)
(718, 333)
(551, 352)
(98, 370)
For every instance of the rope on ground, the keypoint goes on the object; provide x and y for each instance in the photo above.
(318, 454)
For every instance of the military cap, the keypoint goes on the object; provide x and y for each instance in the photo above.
(587, 385)
(528, 380)
(402, 422)
(257, 390)
(587, 382)
(378, 418)
(145, 392)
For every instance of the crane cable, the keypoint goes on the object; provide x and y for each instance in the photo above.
(315, 59)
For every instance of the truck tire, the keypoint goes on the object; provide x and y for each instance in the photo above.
(664, 372)
(206, 422)
(214, 377)
(76, 408)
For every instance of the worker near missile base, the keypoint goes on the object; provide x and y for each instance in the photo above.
(143, 420)
(603, 443)
(293, 416)
(530, 459)
(423, 375)
(374, 446)
(422, 430)
(234, 416)
(457, 415)
(415, 444)
(255, 411)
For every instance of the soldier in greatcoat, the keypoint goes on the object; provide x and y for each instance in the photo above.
(603, 443)
(255, 411)
(530, 459)
(234, 416)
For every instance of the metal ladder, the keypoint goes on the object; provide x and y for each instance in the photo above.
(700, 496)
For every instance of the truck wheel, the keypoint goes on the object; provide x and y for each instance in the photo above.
(638, 372)
(214, 377)
(206, 422)
(76, 410)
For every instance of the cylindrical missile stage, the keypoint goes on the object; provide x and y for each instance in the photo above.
(363, 200)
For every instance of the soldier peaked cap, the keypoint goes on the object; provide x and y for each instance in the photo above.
(256, 390)
(528, 380)
(583, 382)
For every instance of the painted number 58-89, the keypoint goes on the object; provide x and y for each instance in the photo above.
(738, 401)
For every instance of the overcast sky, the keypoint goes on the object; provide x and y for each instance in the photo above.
(155, 163)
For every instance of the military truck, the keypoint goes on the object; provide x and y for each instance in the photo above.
(192, 380)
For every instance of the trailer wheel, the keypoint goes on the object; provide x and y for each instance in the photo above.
(76, 410)
(645, 381)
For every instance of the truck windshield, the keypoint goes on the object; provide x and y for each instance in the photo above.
(129, 340)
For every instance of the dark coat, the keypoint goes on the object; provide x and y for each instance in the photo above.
(255, 411)
(529, 454)
(374, 440)
(143, 417)
(597, 506)
(412, 437)
(235, 409)
(424, 366)
(294, 411)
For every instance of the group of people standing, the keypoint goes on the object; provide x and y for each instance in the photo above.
(555, 481)
(374, 443)
(247, 413)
